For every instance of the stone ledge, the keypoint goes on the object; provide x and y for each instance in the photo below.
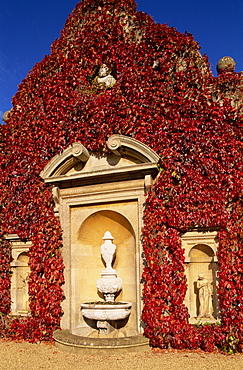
(77, 344)
(204, 321)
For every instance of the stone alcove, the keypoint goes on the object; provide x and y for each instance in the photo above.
(88, 228)
(20, 272)
(94, 194)
(201, 258)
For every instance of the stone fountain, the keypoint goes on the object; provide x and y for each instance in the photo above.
(108, 314)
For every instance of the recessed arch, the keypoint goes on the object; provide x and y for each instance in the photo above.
(200, 251)
(92, 230)
(113, 219)
(23, 259)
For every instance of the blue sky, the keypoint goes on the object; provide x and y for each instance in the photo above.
(28, 28)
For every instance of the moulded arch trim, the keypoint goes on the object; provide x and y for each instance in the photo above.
(120, 144)
(135, 160)
(61, 163)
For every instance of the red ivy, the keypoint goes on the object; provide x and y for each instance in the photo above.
(166, 97)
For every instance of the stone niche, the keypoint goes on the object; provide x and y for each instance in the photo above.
(20, 272)
(201, 264)
(93, 195)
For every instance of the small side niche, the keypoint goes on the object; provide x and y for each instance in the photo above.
(20, 273)
(201, 272)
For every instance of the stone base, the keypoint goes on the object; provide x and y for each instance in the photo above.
(203, 320)
(87, 345)
(20, 313)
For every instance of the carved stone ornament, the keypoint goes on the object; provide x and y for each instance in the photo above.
(227, 64)
(104, 77)
(109, 284)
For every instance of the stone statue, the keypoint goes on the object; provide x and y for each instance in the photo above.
(108, 250)
(204, 295)
(24, 291)
(104, 77)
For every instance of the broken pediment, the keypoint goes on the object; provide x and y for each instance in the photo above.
(128, 159)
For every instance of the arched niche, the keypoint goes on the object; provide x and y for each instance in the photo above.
(92, 230)
(202, 263)
(201, 259)
(88, 264)
(20, 273)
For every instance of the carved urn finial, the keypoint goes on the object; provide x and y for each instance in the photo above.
(109, 284)
(226, 64)
(108, 250)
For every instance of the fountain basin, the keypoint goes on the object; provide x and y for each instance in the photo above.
(105, 311)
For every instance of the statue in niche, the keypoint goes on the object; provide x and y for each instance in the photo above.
(24, 291)
(102, 77)
(205, 298)
(105, 77)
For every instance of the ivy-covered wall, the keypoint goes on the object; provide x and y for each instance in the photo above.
(164, 96)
